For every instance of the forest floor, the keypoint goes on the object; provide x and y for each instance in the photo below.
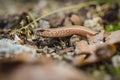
(63, 39)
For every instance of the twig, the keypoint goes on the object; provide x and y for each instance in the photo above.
(78, 6)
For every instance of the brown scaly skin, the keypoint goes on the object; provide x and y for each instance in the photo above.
(64, 31)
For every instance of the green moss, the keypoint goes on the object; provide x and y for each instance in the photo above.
(108, 1)
(117, 71)
(113, 27)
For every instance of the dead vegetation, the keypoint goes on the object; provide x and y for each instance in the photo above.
(44, 43)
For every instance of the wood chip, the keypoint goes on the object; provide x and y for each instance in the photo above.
(64, 51)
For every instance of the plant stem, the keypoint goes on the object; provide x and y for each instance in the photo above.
(78, 6)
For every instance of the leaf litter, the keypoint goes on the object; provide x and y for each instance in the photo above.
(72, 57)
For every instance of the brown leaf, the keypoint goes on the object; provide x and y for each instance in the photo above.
(114, 37)
(98, 38)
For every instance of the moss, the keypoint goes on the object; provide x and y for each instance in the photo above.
(113, 27)
(117, 71)
(108, 1)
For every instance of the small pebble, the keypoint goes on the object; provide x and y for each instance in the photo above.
(74, 39)
(10, 47)
(44, 24)
(67, 22)
(116, 61)
(76, 20)
(95, 24)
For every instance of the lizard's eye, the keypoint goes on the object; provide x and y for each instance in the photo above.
(38, 31)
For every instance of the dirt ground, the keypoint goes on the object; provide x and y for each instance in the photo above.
(59, 40)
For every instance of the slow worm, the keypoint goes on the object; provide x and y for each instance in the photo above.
(64, 31)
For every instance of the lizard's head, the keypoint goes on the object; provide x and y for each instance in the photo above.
(41, 32)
